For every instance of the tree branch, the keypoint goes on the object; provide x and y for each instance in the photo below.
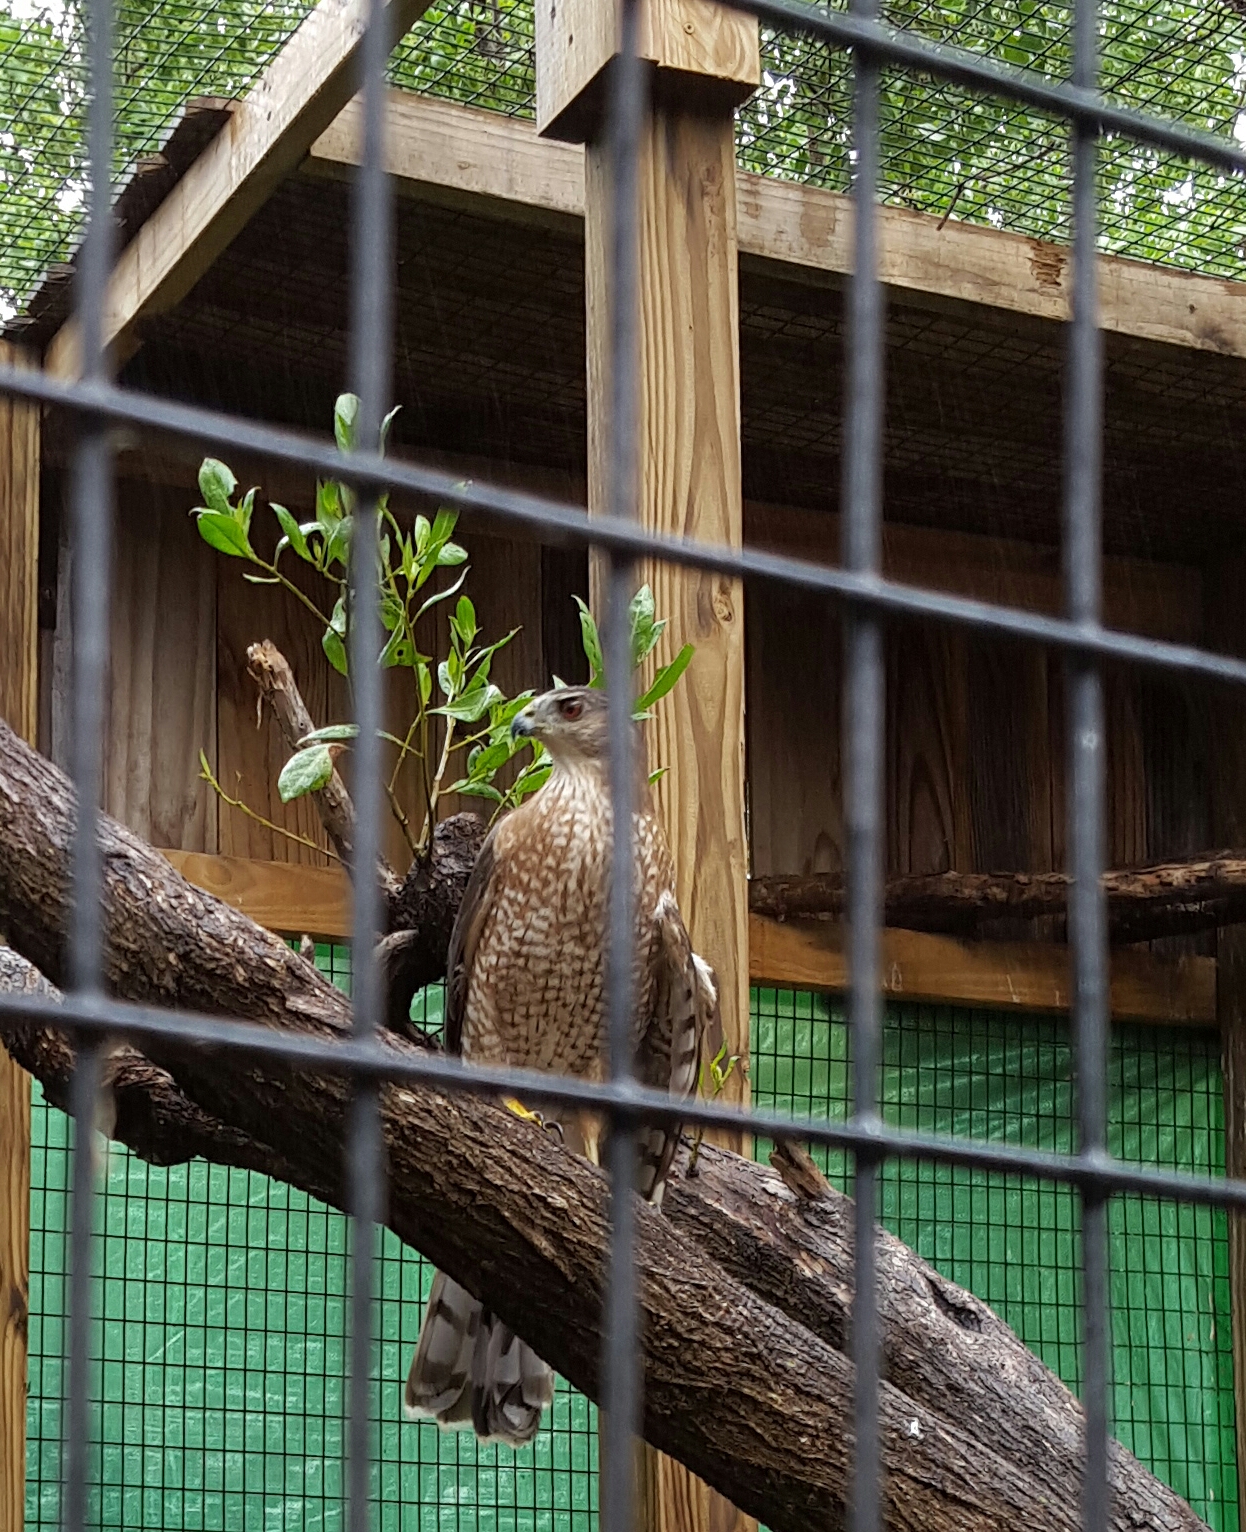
(270, 670)
(1143, 902)
(741, 1384)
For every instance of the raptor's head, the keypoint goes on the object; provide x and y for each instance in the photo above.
(572, 723)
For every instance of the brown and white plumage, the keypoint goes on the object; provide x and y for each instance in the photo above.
(525, 987)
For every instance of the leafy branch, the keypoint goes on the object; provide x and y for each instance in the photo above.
(460, 719)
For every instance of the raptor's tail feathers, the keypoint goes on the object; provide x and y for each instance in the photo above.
(471, 1369)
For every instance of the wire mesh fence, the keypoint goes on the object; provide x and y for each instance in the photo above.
(221, 1334)
(944, 150)
(1095, 1177)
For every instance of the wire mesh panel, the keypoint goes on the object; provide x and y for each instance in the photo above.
(1095, 1176)
(1014, 1242)
(221, 1342)
(222, 1327)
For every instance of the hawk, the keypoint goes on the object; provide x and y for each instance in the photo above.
(526, 979)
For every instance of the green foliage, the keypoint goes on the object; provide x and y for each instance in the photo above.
(645, 632)
(475, 715)
(943, 150)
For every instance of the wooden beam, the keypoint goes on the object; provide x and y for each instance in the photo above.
(704, 54)
(1005, 976)
(293, 101)
(19, 707)
(284, 896)
(803, 231)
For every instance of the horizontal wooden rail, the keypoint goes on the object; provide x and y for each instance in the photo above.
(497, 165)
(1009, 976)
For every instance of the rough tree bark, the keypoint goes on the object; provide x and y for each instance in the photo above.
(419, 908)
(1143, 902)
(746, 1380)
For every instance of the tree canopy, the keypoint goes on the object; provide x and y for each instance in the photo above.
(945, 150)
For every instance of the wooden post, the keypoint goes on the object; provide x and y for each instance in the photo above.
(19, 706)
(1225, 625)
(704, 61)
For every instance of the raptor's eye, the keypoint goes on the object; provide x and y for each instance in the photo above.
(571, 707)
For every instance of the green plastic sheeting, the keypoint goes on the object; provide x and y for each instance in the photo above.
(1014, 1242)
(220, 1322)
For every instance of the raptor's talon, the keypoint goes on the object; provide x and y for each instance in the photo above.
(526, 1114)
(522, 1112)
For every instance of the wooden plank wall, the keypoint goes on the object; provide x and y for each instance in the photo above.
(975, 732)
(975, 729)
(182, 620)
(19, 654)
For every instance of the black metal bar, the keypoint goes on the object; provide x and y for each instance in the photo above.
(369, 367)
(863, 756)
(621, 1374)
(568, 525)
(1087, 916)
(91, 559)
(375, 1060)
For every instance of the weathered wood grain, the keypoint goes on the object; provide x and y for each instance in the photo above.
(19, 706)
(689, 482)
(1021, 977)
(499, 164)
(293, 101)
(161, 703)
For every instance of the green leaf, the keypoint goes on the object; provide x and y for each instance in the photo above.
(261, 579)
(346, 421)
(478, 790)
(385, 425)
(656, 776)
(449, 555)
(332, 642)
(294, 533)
(335, 651)
(305, 772)
(592, 645)
(398, 650)
(217, 485)
(424, 676)
(337, 547)
(472, 705)
(529, 781)
(328, 503)
(222, 532)
(332, 733)
(464, 619)
(442, 595)
(486, 759)
(645, 631)
(444, 524)
(666, 678)
(245, 507)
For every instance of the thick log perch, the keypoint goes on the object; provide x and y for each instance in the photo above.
(1143, 902)
(744, 1289)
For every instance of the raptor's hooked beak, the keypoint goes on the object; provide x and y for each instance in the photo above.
(521, 726)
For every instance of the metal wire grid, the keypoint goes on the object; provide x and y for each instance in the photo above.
(867, 599)
(222, 1330)
(943, 150)
(221, 1347)
(1013, 1241)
